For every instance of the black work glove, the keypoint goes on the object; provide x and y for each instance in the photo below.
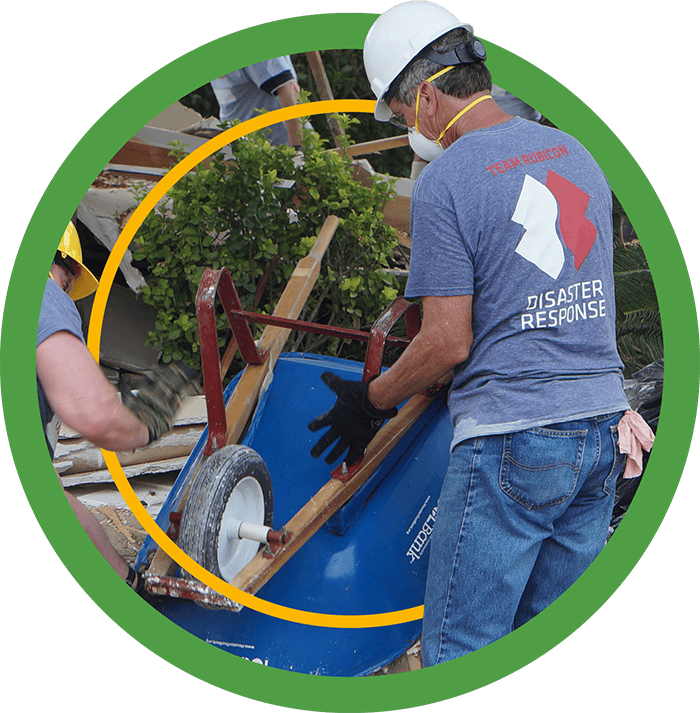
(159, 399)
(353, 420)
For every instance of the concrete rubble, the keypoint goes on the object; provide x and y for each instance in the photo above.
(78, 462)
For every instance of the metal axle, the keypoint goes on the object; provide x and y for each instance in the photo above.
(238, 530)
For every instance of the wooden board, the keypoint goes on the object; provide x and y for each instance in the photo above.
(138, 153)
(369, 147)
(324, 90)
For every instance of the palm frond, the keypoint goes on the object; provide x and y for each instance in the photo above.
(639, 330)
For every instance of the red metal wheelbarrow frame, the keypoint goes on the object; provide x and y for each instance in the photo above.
(219, 282)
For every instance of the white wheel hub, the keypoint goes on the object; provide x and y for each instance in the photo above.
(246, 505)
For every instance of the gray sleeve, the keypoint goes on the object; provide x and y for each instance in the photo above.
(58, 314)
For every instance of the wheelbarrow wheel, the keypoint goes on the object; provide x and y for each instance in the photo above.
(232, 486)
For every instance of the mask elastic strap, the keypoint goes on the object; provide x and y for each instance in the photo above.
(430, 79)
(461, 113)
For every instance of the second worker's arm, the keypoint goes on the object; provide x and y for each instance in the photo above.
(84, 399)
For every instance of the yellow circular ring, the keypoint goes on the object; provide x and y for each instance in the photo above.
(340, 621)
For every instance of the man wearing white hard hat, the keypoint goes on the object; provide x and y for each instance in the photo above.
(511, 230)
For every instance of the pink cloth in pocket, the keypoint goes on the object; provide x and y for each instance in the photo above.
(634, 435)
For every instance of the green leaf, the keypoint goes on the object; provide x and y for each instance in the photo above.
(351, 283)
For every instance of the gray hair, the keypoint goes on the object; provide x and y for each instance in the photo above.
(462, 81)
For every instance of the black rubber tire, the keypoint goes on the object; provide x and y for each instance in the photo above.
(200, 526)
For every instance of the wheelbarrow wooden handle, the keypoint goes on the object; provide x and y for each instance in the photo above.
(333, 495)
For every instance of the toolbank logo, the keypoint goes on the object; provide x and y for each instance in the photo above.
(537, 210)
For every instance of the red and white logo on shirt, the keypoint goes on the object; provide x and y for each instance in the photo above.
(537, 210)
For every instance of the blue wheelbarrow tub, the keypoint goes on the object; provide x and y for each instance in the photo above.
(370, 557)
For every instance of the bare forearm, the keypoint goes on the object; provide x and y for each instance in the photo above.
(83, 398)
(443, 342)
(115, 428)
(294, 132)
(288, 95)
(416, 370)
(102, 419)
(98, 536)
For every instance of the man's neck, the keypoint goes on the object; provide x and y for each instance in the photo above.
(485, 114)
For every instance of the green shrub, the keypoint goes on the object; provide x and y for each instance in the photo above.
(258, 215)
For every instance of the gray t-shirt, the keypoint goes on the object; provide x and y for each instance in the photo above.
(519, 215)
(58, 314)
(242, 93)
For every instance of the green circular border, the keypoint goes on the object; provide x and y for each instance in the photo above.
(284, 688)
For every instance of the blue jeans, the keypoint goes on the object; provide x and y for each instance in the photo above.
(520, 517)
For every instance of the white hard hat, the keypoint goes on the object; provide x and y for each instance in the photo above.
(394, 40)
